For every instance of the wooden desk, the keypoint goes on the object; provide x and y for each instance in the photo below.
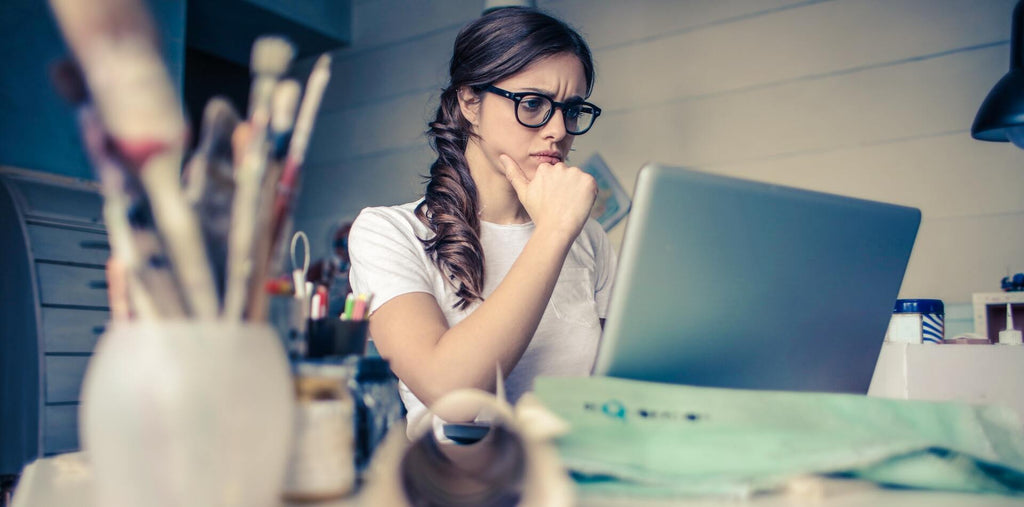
(67, 480)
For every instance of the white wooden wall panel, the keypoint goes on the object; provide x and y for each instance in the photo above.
(348, 186)
(383, 73)
(379, 22)
(397, 123)
(924, 97)
(607, 23)
(786, 45)
(933, 174)
(957, 256)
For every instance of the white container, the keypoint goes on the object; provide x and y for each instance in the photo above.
(917, 321)
(187, 413)
(322, 463)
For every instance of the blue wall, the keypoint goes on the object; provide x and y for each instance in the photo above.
(37, 130)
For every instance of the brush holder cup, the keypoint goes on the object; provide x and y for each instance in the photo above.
(335, 337)
(188, 413)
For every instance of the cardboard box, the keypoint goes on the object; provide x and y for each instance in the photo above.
(988, 374)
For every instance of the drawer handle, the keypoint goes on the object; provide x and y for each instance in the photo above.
(98, 284)
(94, 245)
(98, 330)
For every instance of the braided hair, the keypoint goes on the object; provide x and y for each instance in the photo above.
(491, 48)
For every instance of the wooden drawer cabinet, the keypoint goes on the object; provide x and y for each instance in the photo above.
(64, 378)
(73, 330)
(61, 429)
(68, 245)
(63, 285)
(54, 309)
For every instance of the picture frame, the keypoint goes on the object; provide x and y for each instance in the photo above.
(613, 203)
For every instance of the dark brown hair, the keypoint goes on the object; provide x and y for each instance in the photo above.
(491, 48)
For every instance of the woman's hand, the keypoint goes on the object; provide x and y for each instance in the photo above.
(558, 198)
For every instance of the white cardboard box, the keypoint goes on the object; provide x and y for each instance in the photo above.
(988, 374)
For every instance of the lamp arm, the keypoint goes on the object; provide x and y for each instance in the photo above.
(1017, 37)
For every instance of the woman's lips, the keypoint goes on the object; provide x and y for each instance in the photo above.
(546, 158)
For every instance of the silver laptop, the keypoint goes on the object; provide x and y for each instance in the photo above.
(734, 283)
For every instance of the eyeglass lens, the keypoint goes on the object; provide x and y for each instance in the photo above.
(535, 110)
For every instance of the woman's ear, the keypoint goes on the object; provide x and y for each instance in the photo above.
(469, 104)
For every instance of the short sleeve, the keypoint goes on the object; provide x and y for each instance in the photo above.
(605, 266)
(387, 258)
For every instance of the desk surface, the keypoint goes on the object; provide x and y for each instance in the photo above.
(67, 480)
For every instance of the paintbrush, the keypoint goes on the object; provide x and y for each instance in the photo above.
(291, 177)
(116, 45)
(152, 291)
(210, 183)
(284, 103)
(270, 59)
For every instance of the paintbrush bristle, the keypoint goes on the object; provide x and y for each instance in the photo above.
(69, 81)
(219, 121)
(271, 55)
(284, 104)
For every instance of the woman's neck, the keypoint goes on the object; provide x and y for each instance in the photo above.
(497, 201)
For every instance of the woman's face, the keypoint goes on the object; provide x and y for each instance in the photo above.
(559, 77)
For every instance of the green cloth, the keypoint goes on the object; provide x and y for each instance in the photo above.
(643, 438)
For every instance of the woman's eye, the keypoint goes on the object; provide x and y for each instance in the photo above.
(532, 103)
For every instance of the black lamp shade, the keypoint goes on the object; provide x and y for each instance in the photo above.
(1003, 108)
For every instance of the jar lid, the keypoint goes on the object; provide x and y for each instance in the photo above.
(925, 306)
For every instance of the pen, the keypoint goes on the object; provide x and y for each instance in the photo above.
(350, 301)
(359, 308)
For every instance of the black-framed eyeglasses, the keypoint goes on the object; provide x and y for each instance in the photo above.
(534, 110)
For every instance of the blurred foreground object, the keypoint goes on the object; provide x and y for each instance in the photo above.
(515, 463)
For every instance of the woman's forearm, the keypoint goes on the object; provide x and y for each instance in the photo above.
(500, 329)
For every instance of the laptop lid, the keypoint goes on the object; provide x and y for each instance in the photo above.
(733, 283)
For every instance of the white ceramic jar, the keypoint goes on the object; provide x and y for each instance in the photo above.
(187, 413)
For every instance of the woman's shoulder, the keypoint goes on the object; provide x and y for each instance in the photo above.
(593, 232)
(401, 217)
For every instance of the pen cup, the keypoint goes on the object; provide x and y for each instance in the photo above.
(335, 337)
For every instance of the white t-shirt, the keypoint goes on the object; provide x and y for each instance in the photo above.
(388, 260)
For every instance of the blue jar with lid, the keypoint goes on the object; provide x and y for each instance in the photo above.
(917, 321)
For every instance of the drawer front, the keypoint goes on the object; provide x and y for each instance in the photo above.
(48, 200)
(64, 377)
(67, 330)
(68, 245)
(61, 429)
(72, 285)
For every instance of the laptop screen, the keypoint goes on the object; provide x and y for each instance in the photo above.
(734, 283)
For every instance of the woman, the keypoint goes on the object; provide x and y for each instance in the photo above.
(499, 263)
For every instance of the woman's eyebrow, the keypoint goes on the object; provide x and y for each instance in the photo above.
(549, 93)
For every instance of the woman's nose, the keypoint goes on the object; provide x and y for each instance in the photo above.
(555, 127)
